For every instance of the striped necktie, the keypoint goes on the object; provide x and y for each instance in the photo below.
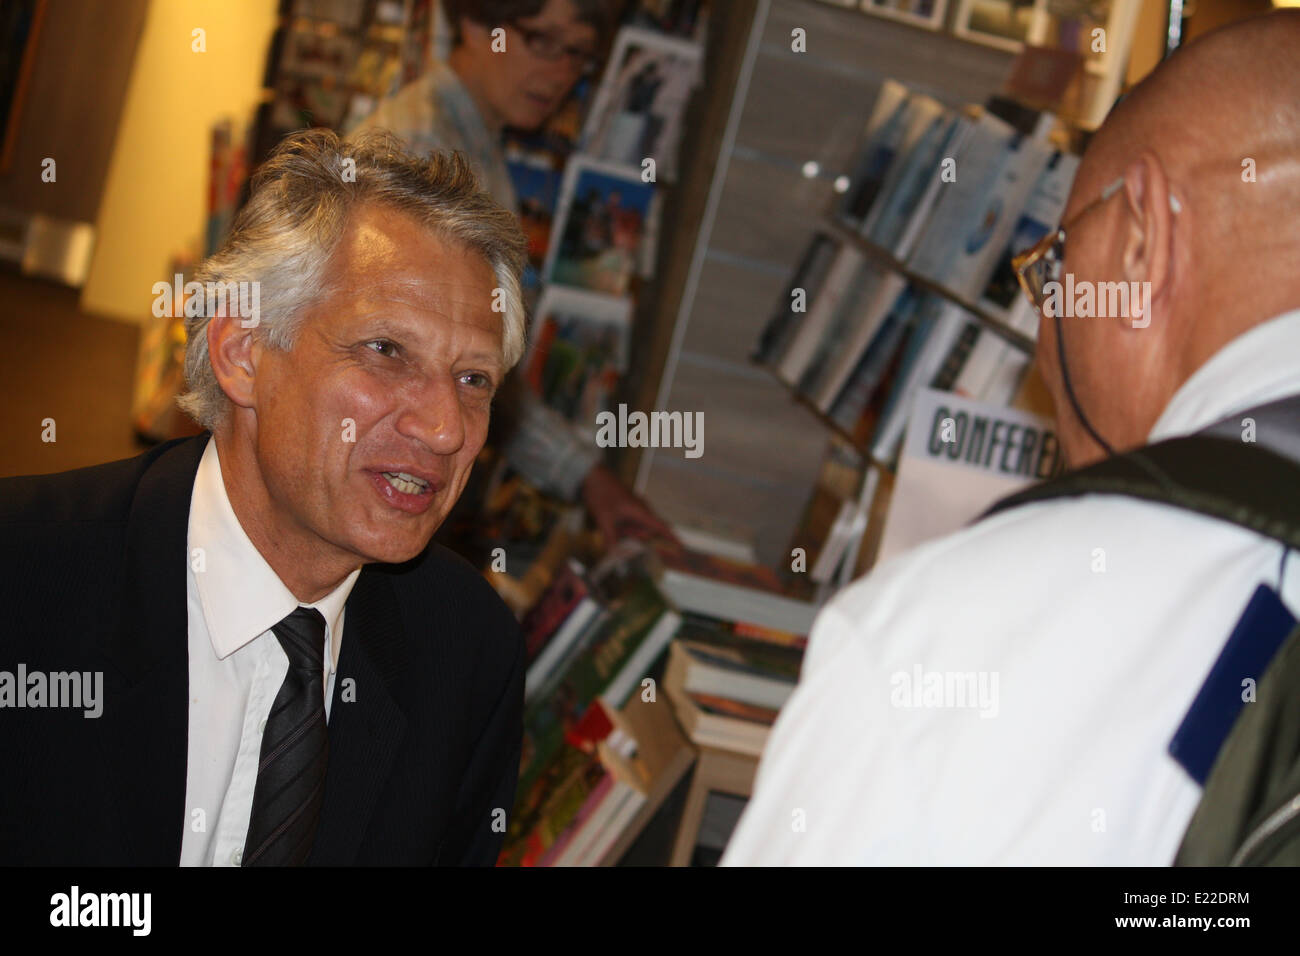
(290, 784)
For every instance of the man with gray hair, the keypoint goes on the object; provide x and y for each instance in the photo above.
(213, 580)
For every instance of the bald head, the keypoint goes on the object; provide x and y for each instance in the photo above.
(1216, 127)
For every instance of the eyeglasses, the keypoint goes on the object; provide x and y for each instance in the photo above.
(548, 47)
(1042, 262)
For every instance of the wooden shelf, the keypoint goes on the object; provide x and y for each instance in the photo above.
(825, 419)
(995, 324)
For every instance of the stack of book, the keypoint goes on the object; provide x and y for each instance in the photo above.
(736, 657)
(908, 286)
(598, 756)
(728, 681)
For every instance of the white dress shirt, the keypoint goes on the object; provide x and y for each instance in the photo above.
(236, 667)
(1092, 622)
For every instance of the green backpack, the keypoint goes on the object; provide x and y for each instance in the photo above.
(1249, 814)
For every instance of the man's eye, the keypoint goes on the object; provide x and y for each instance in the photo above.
(383, 347)
(476, 379)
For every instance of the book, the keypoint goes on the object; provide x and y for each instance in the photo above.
(1007, 376)
(578, 628)
(702, 627)
(760, 652)
(1041, 213)
(882, 138)
(908, 194)
(729, 673)
(960, 224)
(545, 618)
(618, 804)
(939, 323)
(716, 730)
(821, 312)
(547, 804)
(993, 217)
(808, 277)
(562, 828)
(884, 370)
(864, 362)
(860, 307)
(640, 755)
(891, 303)
(956, 358)
(721, 589)
(980, 364)
(725, 706)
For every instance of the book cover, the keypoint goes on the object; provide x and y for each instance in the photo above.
(861, 307)
(911, 183)
(809, 276)
(956, 358)
(881, 138)
(821, 312)
(872, 371)
(1041, 213)
(893, 301)
(995, 214)
(559, 600)
(939, 323)
(963, 217)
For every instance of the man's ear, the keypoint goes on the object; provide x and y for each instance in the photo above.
(230, 350)
(1148, 243)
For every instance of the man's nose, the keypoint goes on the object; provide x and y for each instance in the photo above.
(434, 415)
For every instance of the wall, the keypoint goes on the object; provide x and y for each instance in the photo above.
(763, 451)
(155, 199)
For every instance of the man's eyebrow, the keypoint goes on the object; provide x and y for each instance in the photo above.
(485, 355)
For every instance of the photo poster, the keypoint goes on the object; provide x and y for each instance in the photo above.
(537, 186)
(597, 236)
(923, 13)
(990, 451)
(638, 109)
(578, 352)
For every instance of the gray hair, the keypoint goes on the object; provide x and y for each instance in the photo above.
(299, 204)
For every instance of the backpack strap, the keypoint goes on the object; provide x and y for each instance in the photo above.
(1236, 481)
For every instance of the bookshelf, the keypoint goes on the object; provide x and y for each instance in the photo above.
(884, 256)
(830, 424)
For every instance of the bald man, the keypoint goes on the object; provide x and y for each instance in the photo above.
(1007, 695)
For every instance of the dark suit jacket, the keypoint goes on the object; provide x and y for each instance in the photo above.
(92, 578)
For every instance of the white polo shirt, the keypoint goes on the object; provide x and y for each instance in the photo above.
(1088, 624)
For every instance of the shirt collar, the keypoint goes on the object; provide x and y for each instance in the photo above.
(241, 596)
(1257, 367)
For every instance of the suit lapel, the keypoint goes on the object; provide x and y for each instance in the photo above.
(147, 709)
(366, 724)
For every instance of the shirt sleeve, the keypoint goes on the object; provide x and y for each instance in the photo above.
(547, 451)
